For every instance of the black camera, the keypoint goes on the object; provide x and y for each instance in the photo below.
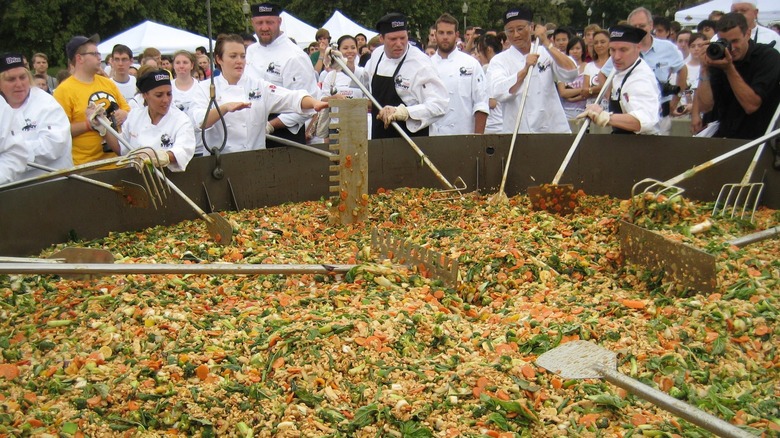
(717, 50)
(668, 89)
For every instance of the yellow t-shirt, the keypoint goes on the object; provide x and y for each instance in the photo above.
(74, 96)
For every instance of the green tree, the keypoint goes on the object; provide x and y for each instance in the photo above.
(47, 25)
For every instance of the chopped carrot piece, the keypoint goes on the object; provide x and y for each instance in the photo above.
(638, 419)
(202, 371)
(633, 304)
(528, 371)
(9, 371)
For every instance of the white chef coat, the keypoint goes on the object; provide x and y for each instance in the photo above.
(342, 84)
(543, 111)
(183, 100)
(128, 89)
(13, 155)
(284, 64)
(495, 120)
(764, 35)
(246, 128)
(45, 128)
(173, 133)
(465, 82)
(639, 96)
(417, 84)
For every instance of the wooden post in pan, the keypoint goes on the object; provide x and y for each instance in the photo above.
(349, 167)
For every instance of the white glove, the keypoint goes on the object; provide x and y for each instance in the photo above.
(601, 119)
(94, 111)
(331, 53)
(269, 128)
(390, 114)
(158, 157)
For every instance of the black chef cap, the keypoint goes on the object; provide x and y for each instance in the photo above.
(391, 23)
(626, 34)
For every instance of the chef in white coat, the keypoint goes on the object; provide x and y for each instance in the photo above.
(279, 61)
(509, 70)
(465, 81)
(404, 81)
(634, 94)
(244, 101)
(13, 156)
(158, 125)
(41, 121)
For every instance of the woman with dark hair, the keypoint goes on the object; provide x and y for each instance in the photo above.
(337, 85)
(185, 90)
(489, 46)
(600, 55)
(244, 101)
(158, 124)
(571, 92)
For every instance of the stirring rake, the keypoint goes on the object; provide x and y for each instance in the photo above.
(744, 193)
(669, 188)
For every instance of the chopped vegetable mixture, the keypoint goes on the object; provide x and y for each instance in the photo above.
(386, 350)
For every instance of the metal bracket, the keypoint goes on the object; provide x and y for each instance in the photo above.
(209, 205)
(233, 195)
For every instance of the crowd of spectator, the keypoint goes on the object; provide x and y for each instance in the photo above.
(723, 75)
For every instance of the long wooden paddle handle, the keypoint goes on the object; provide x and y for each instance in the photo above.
(582, 131)
(534, 47)
(397, 127)
(691, 172)
(693, 414)
(752, 167)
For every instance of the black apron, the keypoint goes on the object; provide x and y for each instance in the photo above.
(614, 105)
(300, 137)
(383, 89)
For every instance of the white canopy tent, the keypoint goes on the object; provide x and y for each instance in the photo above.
(338, 25)
(768, 12)
(300, 31)
(164, 38)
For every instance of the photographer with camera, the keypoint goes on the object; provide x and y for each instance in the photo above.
(739, 82)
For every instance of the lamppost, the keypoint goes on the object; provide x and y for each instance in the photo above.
(589, 12)
(465, 10)
(603, 16)
(245, 10)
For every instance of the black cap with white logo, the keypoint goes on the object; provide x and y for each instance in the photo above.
(391, 23)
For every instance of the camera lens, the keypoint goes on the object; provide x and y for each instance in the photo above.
(717, 50)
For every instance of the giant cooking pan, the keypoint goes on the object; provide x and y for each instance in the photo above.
(35, 217)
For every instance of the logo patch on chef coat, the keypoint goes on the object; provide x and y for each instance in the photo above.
(466, 71)
(402, 82)
(165, 141)
(255, 94)
(544, 65)
(29, 125)
(274, 68)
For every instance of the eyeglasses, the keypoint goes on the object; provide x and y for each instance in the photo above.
(97, 54)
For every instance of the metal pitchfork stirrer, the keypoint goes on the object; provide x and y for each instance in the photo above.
(138, 159)
(218, 227)
(744, 193)
(669, 188)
